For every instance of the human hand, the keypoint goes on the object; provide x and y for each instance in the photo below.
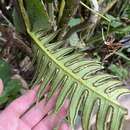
(19, 116)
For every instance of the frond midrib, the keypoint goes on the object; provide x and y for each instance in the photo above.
(77, 78)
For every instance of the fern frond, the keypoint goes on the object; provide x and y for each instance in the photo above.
(80, 79)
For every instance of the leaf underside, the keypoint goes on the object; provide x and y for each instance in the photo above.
(80, 79)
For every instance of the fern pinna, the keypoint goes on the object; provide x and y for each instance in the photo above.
(80, 79)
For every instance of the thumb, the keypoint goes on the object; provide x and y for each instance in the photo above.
(1, 87)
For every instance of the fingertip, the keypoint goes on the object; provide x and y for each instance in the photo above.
(1, 87)
(64, 126)
(64, 109)
(35, 88)
(66, 104)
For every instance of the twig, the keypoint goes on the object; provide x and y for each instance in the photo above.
(95, 4)
(10, 24)
(95, 12)
(103, 36)
(94, 23)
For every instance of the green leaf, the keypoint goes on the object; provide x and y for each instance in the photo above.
(11, 92)
(126, 12)
(128, 50)
(74, 39)
(5, 71)
(74, 22)
(17, 19)
(115, 22)
(36, 14)
(11, 87)
(120, 54)
(18, 22)
(121, 72)
(122, 30)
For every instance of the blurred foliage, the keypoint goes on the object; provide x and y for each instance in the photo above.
(119, 71)
(11, 87)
